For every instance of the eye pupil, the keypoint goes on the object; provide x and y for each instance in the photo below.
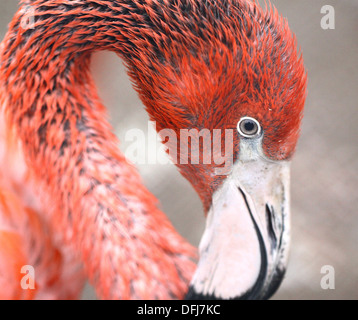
(249, 127)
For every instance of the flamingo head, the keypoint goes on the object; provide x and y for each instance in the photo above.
(235, 69)
(230, 72)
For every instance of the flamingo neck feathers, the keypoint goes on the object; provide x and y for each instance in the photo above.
(195, 64)
(97, 200)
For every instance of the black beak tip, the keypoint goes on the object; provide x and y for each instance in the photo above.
(250, 295)
(193, 295)
(275, 283)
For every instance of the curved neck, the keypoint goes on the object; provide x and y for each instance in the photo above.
(162, 44)
(99, 202)
(44, 65)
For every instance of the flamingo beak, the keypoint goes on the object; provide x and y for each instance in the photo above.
(244, 249)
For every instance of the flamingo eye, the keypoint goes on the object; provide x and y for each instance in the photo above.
(249, 127)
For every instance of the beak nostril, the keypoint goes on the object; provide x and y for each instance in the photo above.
(271, 230)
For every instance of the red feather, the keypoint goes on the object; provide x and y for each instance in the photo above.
(195, 64)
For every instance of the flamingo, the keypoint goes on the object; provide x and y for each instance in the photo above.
(73, 208)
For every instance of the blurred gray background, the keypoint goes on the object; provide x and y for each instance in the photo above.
(324, 170)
